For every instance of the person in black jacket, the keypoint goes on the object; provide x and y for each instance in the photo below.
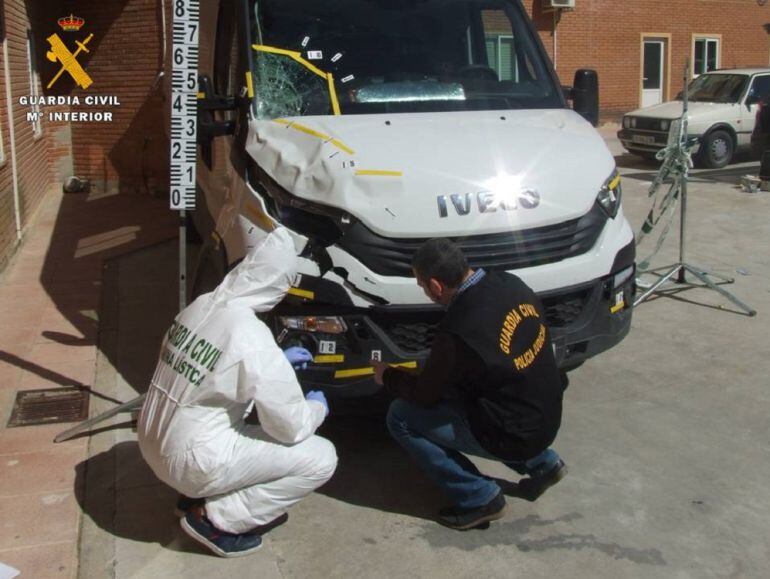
(490, 388)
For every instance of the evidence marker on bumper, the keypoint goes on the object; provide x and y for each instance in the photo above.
(369, 371)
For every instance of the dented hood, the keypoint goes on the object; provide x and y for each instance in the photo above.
(439, 174)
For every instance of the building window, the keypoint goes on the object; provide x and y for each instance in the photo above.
(34, 85)
(500, 56)
(706, 55)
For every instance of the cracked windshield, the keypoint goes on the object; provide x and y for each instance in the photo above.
(393, 56)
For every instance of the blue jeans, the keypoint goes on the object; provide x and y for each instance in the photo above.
(436, 436)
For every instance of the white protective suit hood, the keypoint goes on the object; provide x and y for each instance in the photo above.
(264, 276)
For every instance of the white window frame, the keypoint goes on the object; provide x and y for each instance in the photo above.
(34, 85)
(498, 40)
(708, 39)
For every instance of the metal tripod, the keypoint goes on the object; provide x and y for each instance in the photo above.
(680, 268)
(87, 424)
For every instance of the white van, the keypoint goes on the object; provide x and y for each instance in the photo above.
(368, 126)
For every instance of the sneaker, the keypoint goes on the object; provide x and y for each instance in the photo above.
(185, 503)
(198, 527)
(531, 488)
(462, 519)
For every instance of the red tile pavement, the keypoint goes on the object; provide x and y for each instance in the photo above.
(49, 299)
(48, 561)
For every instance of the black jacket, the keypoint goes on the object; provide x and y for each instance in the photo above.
(493, 350)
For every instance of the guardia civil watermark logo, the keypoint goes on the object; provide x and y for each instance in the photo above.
(67, 48)
(69, 60)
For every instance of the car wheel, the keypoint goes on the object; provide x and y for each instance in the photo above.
(717, 150)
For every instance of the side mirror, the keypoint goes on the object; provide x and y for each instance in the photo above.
(208, 103)
(585, 95)
(752, 99)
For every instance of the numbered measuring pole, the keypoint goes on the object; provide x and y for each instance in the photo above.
(184, 95)
(184, 122)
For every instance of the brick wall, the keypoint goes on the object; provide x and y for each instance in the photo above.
(607, 35)
(130, 154)
(32, 151)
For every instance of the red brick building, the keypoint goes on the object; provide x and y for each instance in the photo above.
(624, 41)
(125, 58)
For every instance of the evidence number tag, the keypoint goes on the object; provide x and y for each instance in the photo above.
(620, 302)
(327, 347)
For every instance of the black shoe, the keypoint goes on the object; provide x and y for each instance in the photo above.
(223, 544)
(462, 519)
(185, 503)
(531, 488)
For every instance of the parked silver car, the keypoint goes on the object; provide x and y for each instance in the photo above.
(723, 108)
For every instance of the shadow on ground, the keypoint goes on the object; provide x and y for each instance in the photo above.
(140, 513)
(125, 499)
(646, 169)
(374, 472)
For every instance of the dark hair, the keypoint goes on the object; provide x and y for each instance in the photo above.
(441, 259)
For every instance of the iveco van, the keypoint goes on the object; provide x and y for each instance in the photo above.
(368, 126)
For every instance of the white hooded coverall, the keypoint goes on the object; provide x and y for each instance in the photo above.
(216, 360)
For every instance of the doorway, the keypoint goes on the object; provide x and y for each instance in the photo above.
(653, 66)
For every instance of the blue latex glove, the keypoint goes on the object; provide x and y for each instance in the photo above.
(298, 357)
(318, 396)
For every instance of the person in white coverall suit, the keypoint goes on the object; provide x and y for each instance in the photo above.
(217, 360)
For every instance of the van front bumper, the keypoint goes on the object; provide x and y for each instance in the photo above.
(584, 320)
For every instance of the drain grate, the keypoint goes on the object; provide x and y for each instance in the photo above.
(49, 406)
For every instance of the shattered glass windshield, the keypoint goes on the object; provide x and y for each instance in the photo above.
(717, 88)
(394, 56)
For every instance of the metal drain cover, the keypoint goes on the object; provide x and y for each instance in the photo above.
(49, 406)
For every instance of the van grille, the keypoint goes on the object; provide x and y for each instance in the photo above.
(414, 337)
(563, 309)
(509, 250)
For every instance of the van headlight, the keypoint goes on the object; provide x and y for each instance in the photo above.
(626, 122)
(664, 125)
(609, 195)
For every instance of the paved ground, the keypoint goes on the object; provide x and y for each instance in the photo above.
(49, 322)
(666, 436)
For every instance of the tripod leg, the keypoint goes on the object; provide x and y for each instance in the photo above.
(724, 278)
(125, 407)
(667, 276)
(703, 276)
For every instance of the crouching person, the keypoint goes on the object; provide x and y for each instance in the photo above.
(217, 362)
(490, 388)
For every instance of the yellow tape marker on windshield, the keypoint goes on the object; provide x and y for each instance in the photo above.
(308, 65)
(201, 95)
(295, 291)
(329, 359)
(354, 372)
(249, 85)
(333, 94)
(308, 131)
(379, 173)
